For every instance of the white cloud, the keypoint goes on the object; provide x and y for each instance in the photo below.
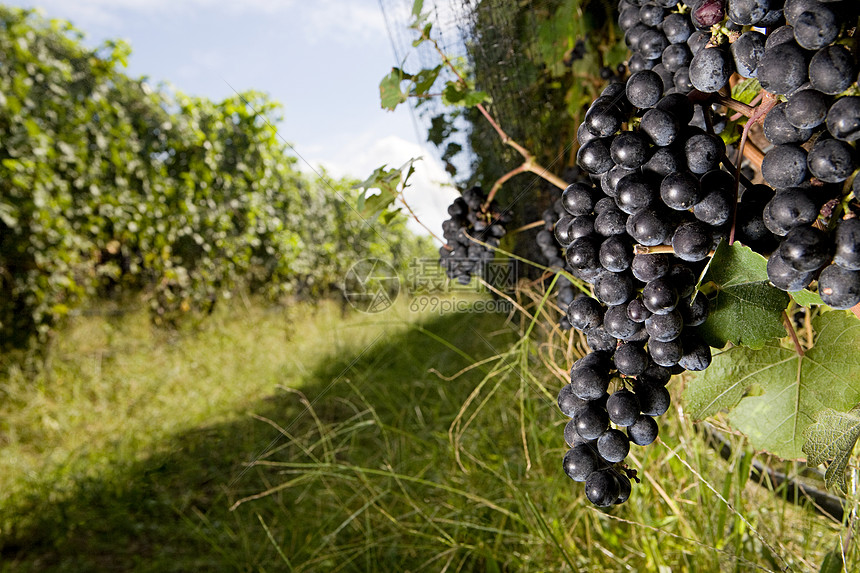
(430, 190)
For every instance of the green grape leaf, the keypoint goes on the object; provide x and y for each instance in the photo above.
(390, 93)
(457, 94)
(424, 80)
(745, 309)
(806, 298)
(746, 90)
(390, 183)
(831, 439)
(774, 394)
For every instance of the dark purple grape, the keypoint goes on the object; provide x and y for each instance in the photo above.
(613, 445)
(806, 109)
(843, 119)
(580, 462)
(783, 68)
(601, 488)
(644, 89)
(784, 165)
(805, 248)
(831, 160)
(847, 244)
(839, 288)
(710, 69)
(747, 51)
(832, 70)
(623, 407)
(643, 431)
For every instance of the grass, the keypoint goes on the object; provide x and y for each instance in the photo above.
(304, 440)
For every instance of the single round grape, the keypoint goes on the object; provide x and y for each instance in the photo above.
(589, 383)
(614, 288)
(611, 222)
(692, 241)
(698, 40)
(646, 268)
(839, 288)
(676, 56)
(815, 27)
(568, 402)
(637, 312)
(652, 42)
(579, 198)
(664, 327)
(677, 28)
(806, 109)
(618, 324)
(613, 445)
(661, 126)
(591, 421)
(843, 119)
(784, 165)
(660, 296)
(805, 248)
(831, 160)
(630, 359)
(697, 354)
(846, 243)
(594, 157)
(623, 407)
(651, 15)
(789, 208)
(580, 462)
(603, 117)
(680, 190)
(832, 69)
(716, 206)
(710, 69)
(643, 431)
(704, 152)
(601, 488)
(629, 149)
(782, 68)
(583, 254)
(634, 192)
(584, 313)
(616, 253)
(665, 353)
(747, 51)
(648, 227)
(581, 226)
(644, 89)
(663, 161)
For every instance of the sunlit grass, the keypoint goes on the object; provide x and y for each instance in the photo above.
(350, 443)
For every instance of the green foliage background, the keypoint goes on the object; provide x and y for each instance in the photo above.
(108, 186)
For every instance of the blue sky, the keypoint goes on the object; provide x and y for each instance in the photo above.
(322, 60)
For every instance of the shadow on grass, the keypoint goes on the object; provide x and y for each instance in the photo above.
(378, 407)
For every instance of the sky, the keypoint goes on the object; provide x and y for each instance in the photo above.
(322, 60)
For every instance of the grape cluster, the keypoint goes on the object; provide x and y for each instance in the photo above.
(462, 257)
(659, 193)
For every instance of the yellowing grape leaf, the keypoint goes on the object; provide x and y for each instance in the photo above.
(774, 394)
(745, 309)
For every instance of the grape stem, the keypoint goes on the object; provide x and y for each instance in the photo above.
(532, 225)
(759, 113)
(528, 165)
(790, 328)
